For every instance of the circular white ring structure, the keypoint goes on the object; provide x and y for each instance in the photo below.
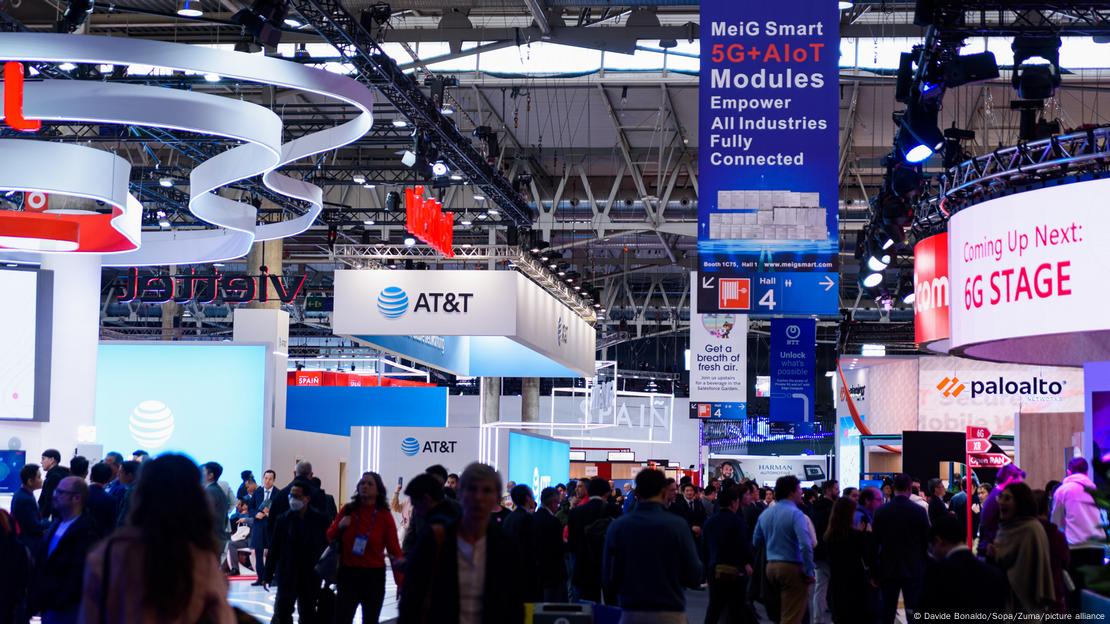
(257, 127)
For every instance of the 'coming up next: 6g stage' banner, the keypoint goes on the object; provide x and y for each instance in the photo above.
(768, 149)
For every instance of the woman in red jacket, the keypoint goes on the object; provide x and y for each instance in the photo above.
(367, 531)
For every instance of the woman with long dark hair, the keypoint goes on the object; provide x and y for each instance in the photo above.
(161, 566)
(852, 556)
(366, 531)
(1022, 551)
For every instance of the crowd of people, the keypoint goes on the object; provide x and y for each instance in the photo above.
(144, 540)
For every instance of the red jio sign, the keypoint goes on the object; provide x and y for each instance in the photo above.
(425, 219)
(13, 99)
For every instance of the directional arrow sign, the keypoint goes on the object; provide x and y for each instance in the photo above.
(978, 446)
(978, 433)
(989, 460)
(708, 282)
(827, 283)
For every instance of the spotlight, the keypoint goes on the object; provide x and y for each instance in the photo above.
(165, 182)
(369, 186)
(77, 11)
(890, 234)
(493, 212)
(409, 242)
(67, 67)
(392, 200)
(400, 123)
(878, 262)
(489, 137)
(439, 169)
(870, 280)
(482, 216)
(844, 6)
(447, 109)
(456, 177)
(368, 222)
(906, 290)
(358, 178)
(478, 197)
(292, 22)
(408, 159)
(970, 68)
(1036, 72)
(264, 20)
(247, 45)
(465, 220)
(919, 137)
(301, 52)
(539, 245)
(164, 223)
(211, 77)
(189, 8)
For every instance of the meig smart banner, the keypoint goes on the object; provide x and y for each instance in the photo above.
(768, 151)
(1028, 276)
(793, 363)
(718, 364)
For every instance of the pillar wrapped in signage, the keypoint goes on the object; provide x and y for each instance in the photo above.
(768, 155)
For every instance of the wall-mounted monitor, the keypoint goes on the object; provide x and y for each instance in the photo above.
(25, 333)
(538, 461)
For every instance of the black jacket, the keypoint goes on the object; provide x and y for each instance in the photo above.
(297, 545)
(960, 583)
(280, 504)
(520, 527)
(694, 515)
(587, 566)
(25, 511)
(260, 529)
(49, 484)
(851, 558)
(937, 509)
(901, 530)
(550, 548)
(820, 514)
(431, 590)
(59, 574)
(724, 542)
(103, 509)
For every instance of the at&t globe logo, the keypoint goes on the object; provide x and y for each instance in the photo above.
(393, 302)
(410, 446)
(151, 424)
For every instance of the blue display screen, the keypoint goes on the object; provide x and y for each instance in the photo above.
(11, 462)
(538, 462)
(207, 401)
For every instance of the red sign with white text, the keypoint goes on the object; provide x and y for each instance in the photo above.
(425, 219)
(930, 282)
(978, 433)
(978, 446)
(13, 99)
(989, 460)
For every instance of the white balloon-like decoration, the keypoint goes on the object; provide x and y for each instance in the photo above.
(34, 165)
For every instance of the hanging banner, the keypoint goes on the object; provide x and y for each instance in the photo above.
(768, 156)
(718, 364)
(793, 356)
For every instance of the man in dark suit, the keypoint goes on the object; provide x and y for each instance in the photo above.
(550, 548)
(103, 507)
(520, 526)
(901, 529)
(55, 472)
(25, 510)
(728, 557)
(587, 540)
(261, 500)
(690, 508)
(956, 581)
(218, 499)
(302, 471)
(61, 555)
(298, 541)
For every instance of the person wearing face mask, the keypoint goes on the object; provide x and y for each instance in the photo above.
(298, 541)
(467, 572)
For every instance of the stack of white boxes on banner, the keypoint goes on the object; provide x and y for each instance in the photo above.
(768, 215)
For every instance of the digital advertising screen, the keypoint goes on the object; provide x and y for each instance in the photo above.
(204, 400)
(11, 462)
(538, 461)
(25, 331)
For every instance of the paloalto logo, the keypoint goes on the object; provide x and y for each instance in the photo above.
(1034, 386)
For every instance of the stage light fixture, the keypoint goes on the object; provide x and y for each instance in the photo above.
(890, 234)
(1036, 73)
(465, 220)
(392, 200)
(400, 123)
(439, 169)
(165, 182)
(969, 69)
(493, 212)
(210, 77)
(368, 222)
(878, 262)
(869, 279)
(67, 67)
(189, 8)
(906, 292)
(409, 242)
(358, 178)
(919, 137)
(292, 22)
(843, 6)
(456, 177)
(77, 11)
(264, 20)
(479, 198)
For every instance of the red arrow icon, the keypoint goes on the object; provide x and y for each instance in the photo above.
(989, 460)
(978, 446)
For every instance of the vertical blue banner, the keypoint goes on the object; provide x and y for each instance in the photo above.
(768, 157)
(793, 358)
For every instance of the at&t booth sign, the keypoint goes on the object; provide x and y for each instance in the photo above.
(1028, 276)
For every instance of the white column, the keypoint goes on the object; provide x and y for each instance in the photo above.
(270, 327)
(74, 337)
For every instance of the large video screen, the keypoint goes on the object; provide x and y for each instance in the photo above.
(538, 461)
(25, 330)
(204, 400)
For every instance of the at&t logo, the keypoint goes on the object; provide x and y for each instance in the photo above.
(393, 303)
(410, 446)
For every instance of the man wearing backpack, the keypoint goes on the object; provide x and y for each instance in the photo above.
(586, 527)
